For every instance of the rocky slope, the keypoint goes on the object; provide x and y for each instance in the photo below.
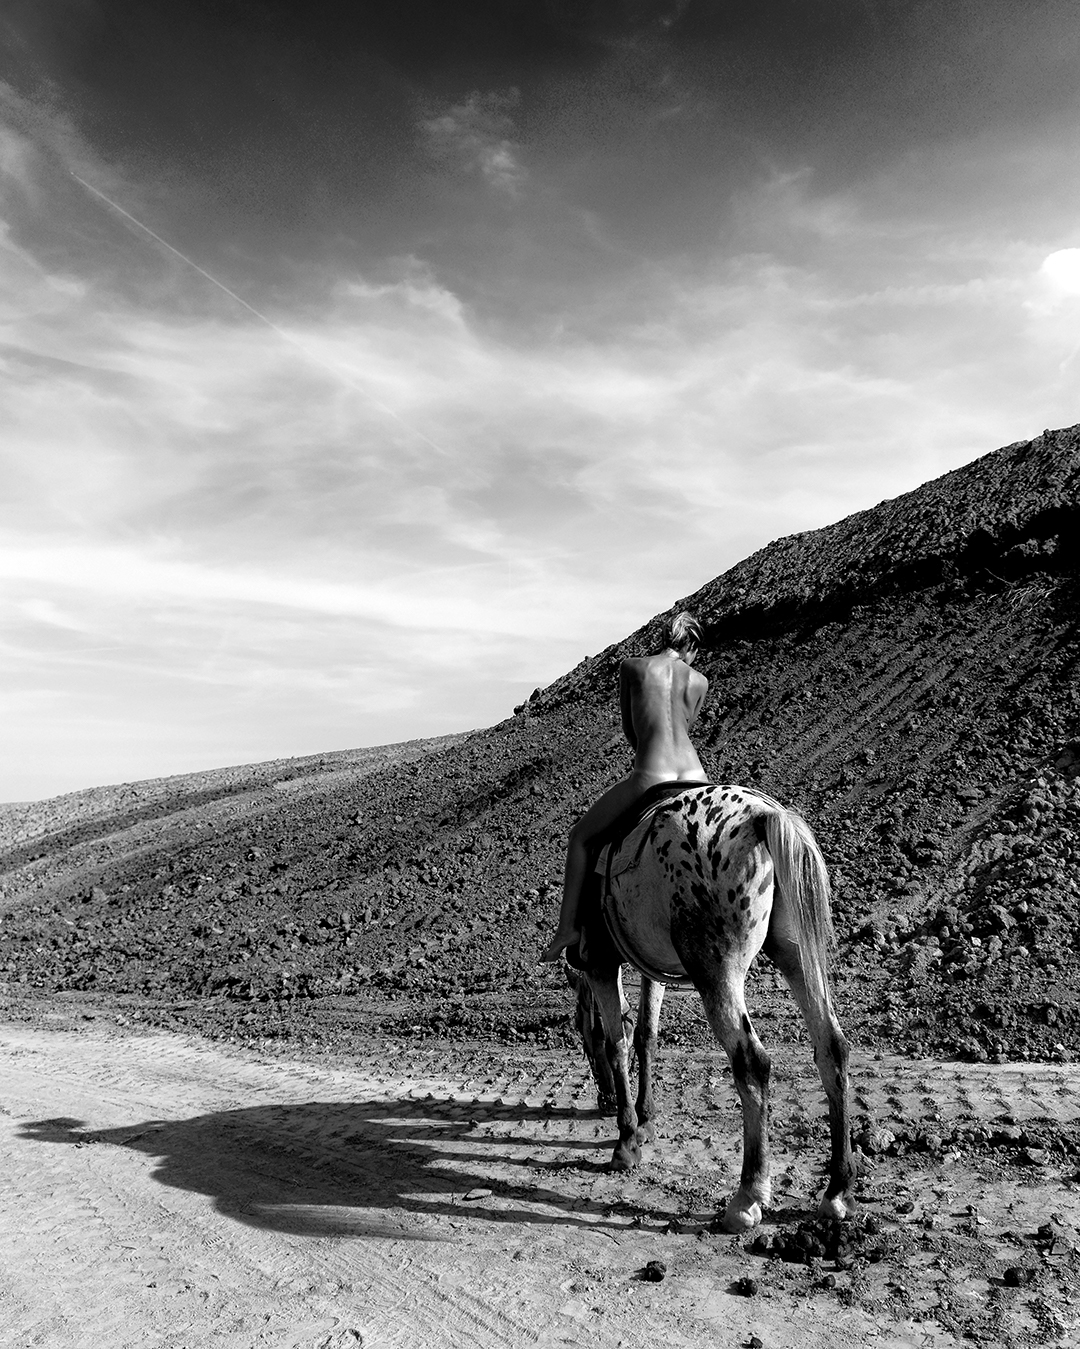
(906, 677)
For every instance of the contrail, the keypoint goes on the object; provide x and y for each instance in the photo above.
(286, 337)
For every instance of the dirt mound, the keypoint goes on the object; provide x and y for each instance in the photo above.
(906, 677)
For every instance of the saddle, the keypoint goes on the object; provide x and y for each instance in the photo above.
(614, 851)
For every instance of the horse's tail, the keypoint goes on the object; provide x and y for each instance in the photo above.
(803, 881)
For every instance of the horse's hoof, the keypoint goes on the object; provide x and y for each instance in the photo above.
(741, 1216)
(839, 1206)
(625, 1158)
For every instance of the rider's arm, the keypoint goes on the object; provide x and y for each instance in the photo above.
(626, 708)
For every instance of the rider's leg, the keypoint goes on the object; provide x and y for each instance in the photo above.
(597, 818)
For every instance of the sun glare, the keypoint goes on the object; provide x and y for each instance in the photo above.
(1062, 270)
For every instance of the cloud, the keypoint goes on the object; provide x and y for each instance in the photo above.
(477, 137)
(422, 599)
(51, 614)
(417, 287)
(393, 456)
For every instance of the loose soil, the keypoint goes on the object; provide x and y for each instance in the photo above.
(907, 678)
(165, 1190)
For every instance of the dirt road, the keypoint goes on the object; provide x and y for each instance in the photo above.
(159, 1190)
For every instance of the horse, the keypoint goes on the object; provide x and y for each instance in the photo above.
(714, 876)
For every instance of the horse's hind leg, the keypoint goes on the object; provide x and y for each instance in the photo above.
(725, 1006)
(645, 1035)
(831, 1057)
(606, 987)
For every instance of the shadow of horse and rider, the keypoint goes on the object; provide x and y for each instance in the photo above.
(352, 1169)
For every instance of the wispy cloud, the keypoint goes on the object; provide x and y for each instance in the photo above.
(477, 136)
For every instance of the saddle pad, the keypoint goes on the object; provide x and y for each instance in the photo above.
(615, 858)
(625, 849)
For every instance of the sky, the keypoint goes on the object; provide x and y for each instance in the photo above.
(365, 367)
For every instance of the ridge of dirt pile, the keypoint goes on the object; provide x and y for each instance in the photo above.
(57, 822)
(906, 677)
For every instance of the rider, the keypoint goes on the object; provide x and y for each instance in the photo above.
(660, 697)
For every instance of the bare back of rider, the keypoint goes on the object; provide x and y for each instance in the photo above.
(660, 697)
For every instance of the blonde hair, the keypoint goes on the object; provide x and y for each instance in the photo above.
(682, 632)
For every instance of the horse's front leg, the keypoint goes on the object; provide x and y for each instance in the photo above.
(607, 990)
(645, 1038)
(591, 1029)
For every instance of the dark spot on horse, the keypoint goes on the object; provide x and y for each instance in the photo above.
(744, 903)
(731, 896)
(765, 882)
(759, 828)
(692, 833)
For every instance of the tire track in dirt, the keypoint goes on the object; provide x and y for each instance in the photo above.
(164, 1191)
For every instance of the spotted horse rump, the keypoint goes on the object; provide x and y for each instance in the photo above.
(716, 875)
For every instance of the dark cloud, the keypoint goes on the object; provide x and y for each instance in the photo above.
(517, 146)
(300, 127)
